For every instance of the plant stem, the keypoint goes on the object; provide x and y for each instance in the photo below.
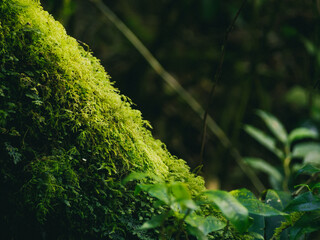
(311, 179)
(287, 172)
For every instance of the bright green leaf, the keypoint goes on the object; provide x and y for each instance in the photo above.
(256, 236)
(301, 133)
(134, 176)
(154, 222)
(312, 158)
(301, 150)
(180, 191)
(274, 125)
(264, 139)
(231, 208)
(187, 203)
(159, 191)
(205, 224)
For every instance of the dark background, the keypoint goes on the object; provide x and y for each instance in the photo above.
(271, 63)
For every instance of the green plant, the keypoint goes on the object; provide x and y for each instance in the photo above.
(182, 215)
(285, 147)
(301, 144)
(277, 214)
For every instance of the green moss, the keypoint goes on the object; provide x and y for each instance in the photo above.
(67, 138)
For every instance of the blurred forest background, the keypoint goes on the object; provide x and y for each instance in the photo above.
(272, 63)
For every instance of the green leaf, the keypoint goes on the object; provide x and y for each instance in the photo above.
(261, 165)
(134, 176)
(258, 224)
(297, 96)
(310, 46)
(159, 191)
(182, 196)
(308, 169)
(196, 232)
(264, 139)
(254, 206)
(274, 125)
(231, 208)
(205, 224)
(256, 236)
(316, 186)
(277, 199)
(187, 204)
(312, 158)
(301, 133)
(180, 191)
(154, 222)
(304, 202)
(306, 224)
(301, 150)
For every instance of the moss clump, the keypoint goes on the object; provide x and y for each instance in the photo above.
(67, 137)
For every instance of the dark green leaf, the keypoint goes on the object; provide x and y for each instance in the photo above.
(304, 202)
(231, 208)
(254, 206)
(258, 224)
(277, 199)
(308, 169)
(306, 224)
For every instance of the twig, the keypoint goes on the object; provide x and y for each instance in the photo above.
(225, 140)
(216, 79)
(311, 179)
(172, 82)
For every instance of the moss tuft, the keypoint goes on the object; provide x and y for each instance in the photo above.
(68, 137)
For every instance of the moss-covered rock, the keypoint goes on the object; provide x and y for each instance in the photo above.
(67, 138)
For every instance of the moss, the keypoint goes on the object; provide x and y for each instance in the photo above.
(67, 138)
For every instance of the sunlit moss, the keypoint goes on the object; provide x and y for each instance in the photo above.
(67, 135)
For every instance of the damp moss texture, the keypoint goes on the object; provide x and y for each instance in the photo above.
(68, 137)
